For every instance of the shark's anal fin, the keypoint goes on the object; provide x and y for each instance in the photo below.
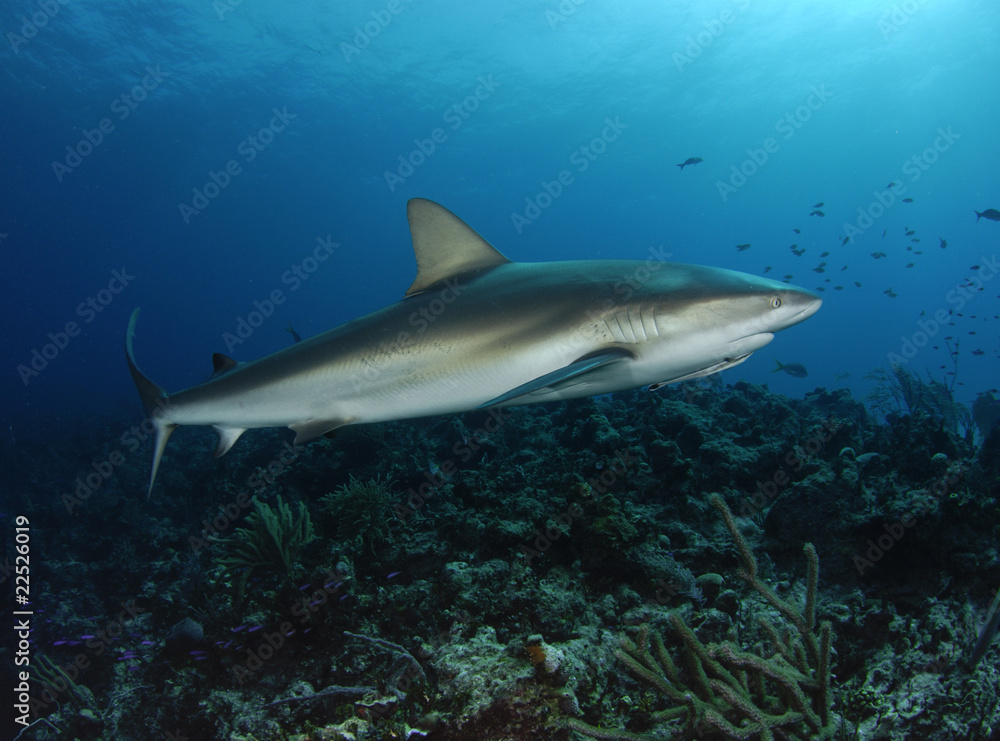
(445, 246)
(306, 431)
(567, 375)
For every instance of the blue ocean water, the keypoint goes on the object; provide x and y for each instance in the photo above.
(191, 157)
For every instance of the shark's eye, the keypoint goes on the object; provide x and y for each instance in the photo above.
(775, 302)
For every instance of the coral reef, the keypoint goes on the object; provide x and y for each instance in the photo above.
(509, 556)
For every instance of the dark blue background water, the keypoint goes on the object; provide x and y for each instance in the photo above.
(708, 79)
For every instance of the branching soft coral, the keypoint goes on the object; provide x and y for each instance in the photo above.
(731, 692)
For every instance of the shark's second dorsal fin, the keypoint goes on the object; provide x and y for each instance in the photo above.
(445, 245)
(222, 364)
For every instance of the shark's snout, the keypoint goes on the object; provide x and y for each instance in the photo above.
(811, 303)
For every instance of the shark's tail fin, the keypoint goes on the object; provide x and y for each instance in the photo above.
(154, 400)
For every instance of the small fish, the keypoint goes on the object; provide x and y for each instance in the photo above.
(843, 269)
(915, 239)
(944, 243)
(974, 267)
(978, 352)
(789, 276)
(907, 200)
(883, 234)
(819, 269)
(797, 231)
(909, 233)
(838, 288)
(817, 213)
(910, 265)
(840, 376)
(857, 284)
(891, 185)
(690, 161)
(890, 293)
(820, 289)
(846, 240)
(825, 254)
(742, 247)
(767, 269)
(819, 205)
(991, 213)
(793, 369)
(293, 333)
(878, 255)
(798, 253)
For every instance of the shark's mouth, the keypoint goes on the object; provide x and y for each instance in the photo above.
(751, 342)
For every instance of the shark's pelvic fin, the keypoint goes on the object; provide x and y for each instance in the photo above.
(306, 431)
(227, 438)
(567, 375)
(154, 401)
(445, 245)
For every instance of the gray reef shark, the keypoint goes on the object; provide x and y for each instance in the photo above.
(476, 330)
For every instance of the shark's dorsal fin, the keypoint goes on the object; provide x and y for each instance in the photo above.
(222, 364)
(445, 245)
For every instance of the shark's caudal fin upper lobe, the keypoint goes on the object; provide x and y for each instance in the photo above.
(154, 401)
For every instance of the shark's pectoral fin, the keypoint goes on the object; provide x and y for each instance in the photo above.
(227, 438)
(569, 375)
(306, 431)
